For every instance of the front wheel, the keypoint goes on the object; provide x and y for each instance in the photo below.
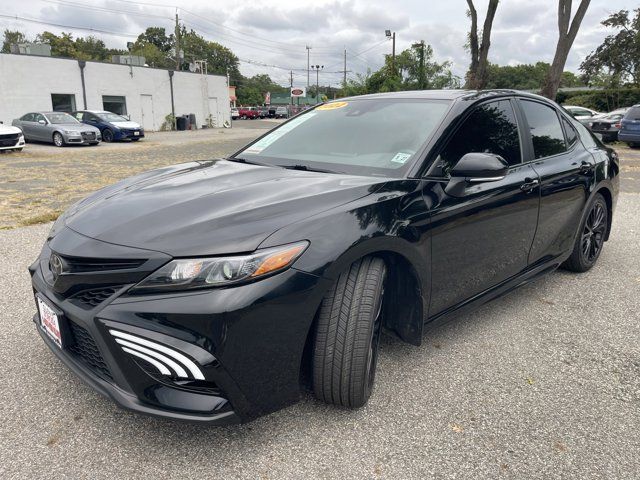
(590, 240)
(58, 139)
(348, 331)
(107, 135)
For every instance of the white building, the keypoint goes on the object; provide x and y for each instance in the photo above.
(34, 83)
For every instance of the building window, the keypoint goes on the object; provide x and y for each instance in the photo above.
(63, 102)
(115, 104)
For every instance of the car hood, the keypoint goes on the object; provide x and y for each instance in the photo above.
(210, 208)
(132, 125)
(7, 129)
(72, 127)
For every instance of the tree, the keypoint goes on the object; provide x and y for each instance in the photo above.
(90, 48)
(219, 59)
(11, 37)
(158, 37)
(617, 60)
(61, 46)
(567, 31)
(526, 76)
(477, 74)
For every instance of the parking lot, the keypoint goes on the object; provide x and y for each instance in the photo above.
(542, 383)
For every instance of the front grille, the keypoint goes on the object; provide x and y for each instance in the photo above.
(9, 139)
(601, 126)
(92, 298)
(78, 265)
(89, 135)
(85, 349)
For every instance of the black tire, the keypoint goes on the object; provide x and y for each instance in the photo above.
(590, 239)
(348, 331)
(58, 139)
(107, 135)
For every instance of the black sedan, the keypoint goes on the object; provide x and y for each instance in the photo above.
(217, 290)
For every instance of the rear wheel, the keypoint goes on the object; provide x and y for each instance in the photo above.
(593, 231)
(58, 139)
(348, 331)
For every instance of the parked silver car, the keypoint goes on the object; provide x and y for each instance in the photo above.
(57, 127)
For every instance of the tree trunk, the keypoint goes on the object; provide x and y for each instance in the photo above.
(477, 75)
(567, 31)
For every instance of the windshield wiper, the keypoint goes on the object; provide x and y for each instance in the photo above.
(248, 162)
(306, 168)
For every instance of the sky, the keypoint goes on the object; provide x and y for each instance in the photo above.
(271, 36)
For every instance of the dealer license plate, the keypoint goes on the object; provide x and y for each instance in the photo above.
(49, 321)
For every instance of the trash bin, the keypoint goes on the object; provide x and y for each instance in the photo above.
(187, 123)
(192, 121)
(181, 123)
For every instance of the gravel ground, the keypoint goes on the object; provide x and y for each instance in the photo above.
(41, 181)
(542, 383)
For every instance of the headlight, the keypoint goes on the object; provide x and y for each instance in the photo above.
(590, 124)
(188, 274)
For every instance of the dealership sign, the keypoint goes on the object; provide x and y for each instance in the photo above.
(298, 92)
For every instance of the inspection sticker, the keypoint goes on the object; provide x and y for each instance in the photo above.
(332, 106)
(401, 157)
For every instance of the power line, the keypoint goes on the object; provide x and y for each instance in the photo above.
(52, 24)
(67, 3)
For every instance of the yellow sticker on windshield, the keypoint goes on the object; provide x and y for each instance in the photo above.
(332, 106)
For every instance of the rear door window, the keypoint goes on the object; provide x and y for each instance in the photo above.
(633, 113)
(570, 133)
(546, 132)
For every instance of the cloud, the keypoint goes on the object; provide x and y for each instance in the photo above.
(275, 32)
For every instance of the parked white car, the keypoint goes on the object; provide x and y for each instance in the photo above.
(11, 138)
(583, 114)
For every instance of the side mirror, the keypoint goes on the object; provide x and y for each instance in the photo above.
(475, 168)
(42, 122)
(480, 167)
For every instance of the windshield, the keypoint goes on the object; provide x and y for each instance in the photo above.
(112, 117)
(59, 117)
(362, 136)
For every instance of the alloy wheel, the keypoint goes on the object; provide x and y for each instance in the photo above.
(594, 231)
(375, 341)
(58, 140)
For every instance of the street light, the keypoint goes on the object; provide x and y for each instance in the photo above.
(317, 68)
(392, 36)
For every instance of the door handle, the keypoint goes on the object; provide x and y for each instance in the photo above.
(529, 184)
(586, 167)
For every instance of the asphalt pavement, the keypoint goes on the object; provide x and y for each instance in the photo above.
(542, 383)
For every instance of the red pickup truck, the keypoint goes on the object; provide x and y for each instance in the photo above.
(248, 112)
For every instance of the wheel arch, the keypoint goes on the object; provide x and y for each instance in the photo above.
(608, 198)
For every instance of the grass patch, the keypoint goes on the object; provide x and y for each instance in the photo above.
(42, 218)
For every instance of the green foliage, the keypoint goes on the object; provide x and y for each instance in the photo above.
(11, 37)
(251, 91)
(618, 57)
(219, 59)
(406, 77)
(601, 100)
(526, 77)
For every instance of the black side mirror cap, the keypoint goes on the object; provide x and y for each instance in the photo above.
(477, 166)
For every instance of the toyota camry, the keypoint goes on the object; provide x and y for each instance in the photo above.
(219, 290)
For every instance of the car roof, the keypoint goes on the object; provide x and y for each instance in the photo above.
(446, 95)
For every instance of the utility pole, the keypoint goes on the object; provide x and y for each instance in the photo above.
(344, 71)
(308, 48)
(392, 36)
(421, 79)
(177, 34)
(317, 68)
(290, 86)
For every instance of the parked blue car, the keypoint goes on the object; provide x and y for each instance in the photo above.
(630, 127)
(112, 126)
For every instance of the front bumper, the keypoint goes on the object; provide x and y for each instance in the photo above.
(8, 142)
(84, 138)
(247, 341)
(128, 134)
